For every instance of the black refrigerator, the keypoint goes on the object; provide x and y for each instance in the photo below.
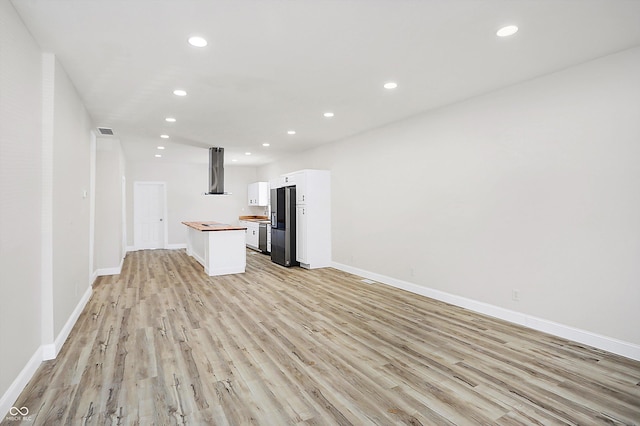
(283, 226)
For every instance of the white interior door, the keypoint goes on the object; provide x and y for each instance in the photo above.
(149, 212)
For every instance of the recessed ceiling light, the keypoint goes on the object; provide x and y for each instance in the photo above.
(158, 155)
(390, 85)
(170, 120)
(161, 147)
(265, 144)
(291, 132)
(179, 92)
(507, 31)
(164, 136)
(328, 114)
(197, 41)
(234, 160)
(247, 153)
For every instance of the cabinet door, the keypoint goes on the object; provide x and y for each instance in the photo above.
(289, 179)
(269, 238)
(278, 182)
(299, 179)
(301, 234)
(252, 194)
(301, 189)
(253, 235)
(262, 196)
(258, 194)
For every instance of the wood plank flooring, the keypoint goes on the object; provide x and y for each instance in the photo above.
(164, 344)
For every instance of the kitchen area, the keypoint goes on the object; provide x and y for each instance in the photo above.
(287, 218)
(258, 236)
(296, 227)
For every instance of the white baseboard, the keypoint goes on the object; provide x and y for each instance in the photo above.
(50, 351)
(608, 344)
(176, 246)
(167, 247)
(110, 271)
(11, 395)
(43, 353)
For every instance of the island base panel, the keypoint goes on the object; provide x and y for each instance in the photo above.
(226, 253)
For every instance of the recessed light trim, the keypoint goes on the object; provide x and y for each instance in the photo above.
(164, 136)
(161, 147)
(180, 92)
(247, 153)
(507, 31)
(197, 41)
(328, 114)
(291, 132)
(158, 156)
(170, 120)
(266, 144)
(390, 85)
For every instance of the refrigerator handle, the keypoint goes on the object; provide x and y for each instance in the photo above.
(274, 223)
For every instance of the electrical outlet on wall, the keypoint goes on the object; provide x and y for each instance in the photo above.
(515, 295)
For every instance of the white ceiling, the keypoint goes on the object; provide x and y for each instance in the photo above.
(275, 65)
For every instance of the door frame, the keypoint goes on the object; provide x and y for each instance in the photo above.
(165, 229)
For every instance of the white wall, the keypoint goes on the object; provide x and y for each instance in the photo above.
(71, 202)
(185, 185)
(534, 188)
(20, 209)
(109, 223)
(46, 144)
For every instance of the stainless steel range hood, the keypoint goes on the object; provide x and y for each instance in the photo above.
(216, 171)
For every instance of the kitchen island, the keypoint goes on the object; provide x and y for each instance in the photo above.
(219, 247)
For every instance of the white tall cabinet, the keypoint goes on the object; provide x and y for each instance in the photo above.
(313, 217)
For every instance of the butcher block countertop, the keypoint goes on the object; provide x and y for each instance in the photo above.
(213, 226)
(255, 218)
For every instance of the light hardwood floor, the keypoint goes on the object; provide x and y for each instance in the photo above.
(164, 344)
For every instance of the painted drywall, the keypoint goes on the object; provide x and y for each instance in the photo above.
(71, 202)
(46, 144)
(531, 188)
(20, 209)
(185, 185)
(109, 223)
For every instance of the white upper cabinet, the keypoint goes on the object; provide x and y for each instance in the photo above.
(284, 180)
(258, 194)
(300, 180)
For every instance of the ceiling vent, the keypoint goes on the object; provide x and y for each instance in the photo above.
(105, 131)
